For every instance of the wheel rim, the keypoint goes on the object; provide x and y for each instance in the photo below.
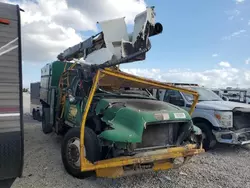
(73, 152)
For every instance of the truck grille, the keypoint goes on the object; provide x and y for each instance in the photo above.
(159, 135)
(241, 120)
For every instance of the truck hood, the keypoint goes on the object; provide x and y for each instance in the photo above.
(221, 105)
(127, 118)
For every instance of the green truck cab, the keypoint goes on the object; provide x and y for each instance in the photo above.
(119, 122)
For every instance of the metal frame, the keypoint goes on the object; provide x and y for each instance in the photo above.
(161, 154)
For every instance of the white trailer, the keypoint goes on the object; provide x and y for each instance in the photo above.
(11, 104)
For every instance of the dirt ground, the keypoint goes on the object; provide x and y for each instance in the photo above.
(225, 166)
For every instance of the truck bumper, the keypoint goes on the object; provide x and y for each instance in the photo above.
(238, 137)
(162, 159)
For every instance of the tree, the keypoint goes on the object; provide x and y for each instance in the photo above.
(25, 89)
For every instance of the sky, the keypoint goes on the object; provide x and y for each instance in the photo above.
(204, 42)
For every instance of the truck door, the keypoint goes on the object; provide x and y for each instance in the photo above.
(11, 98)
(174, 97)
(73, 105)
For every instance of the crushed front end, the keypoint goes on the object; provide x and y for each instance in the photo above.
(143, 135)
(239, 133)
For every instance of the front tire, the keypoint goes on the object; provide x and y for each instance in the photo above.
(209, 140)
(70, 151)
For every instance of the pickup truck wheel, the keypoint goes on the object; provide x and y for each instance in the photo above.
(46, 127)
(70, 151)
(209, 140)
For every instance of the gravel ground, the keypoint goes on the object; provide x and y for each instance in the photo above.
(225, 166)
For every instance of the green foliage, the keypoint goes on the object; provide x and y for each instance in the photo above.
(26, 90)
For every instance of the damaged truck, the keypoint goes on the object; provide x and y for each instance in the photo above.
(221, 121)
(108, 129)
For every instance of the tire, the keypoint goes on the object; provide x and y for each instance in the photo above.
(92, 148)
(209, 141)
(38, 116)
(46, 127)
(34, 114)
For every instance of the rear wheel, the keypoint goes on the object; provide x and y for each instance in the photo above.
(46, 127)
(70, 151)
(209, 140)
(38, 116)
(34, 114)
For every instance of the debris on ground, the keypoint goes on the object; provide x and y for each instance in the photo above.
(224, 166)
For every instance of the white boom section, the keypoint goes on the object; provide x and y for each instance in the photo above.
(114, 42)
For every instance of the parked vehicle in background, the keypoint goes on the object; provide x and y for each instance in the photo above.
(236, 94)
(35, 105)
(11, 98)
(220, 121)
(220, 94)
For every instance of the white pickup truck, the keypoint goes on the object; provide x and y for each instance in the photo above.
(220, 121)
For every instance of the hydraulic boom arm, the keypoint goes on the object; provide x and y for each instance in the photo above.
(114, 45)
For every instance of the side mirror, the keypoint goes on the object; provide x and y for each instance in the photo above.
(178, 101)
(225, 98)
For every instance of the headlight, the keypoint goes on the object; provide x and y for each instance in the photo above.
(225, 119)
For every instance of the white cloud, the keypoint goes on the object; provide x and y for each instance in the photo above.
(50, 26)
(224, 76)
(214, 55)
(233, 14)
(224, 64)
(234, 34)
(248, 61)
(98, 10)
(239, 1)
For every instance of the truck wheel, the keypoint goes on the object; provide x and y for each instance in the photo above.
(209, 140)
(34, 114)
(46, 127)
(38, 116)
(70, 151)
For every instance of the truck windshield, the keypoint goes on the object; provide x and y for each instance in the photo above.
(128, 93)
(204, 94)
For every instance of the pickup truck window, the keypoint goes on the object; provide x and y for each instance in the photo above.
(204, 94)
(173, 97)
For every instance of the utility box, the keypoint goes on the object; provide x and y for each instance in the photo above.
(50, 76)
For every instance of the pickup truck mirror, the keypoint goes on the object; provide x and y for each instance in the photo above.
(225, 98)
(178, 101)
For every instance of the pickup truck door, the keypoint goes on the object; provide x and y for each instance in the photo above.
(175, 98)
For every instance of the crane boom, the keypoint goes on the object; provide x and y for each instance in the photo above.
(114, 46)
